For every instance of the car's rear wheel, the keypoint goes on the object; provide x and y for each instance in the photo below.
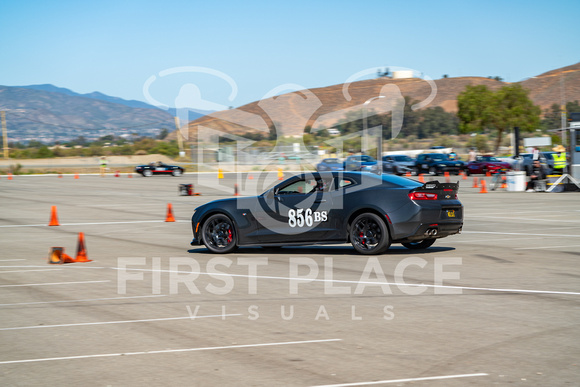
(147, 173)
(419, 244)
(369, 234)
(433, 171)
(176, 172)
(219, 234)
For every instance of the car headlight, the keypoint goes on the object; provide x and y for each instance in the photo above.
(440, 165)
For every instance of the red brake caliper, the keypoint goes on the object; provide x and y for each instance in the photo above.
(229, 235)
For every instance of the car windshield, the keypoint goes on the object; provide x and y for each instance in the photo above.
(438, 157)
(332, 161)
(402, 158)
(489, 158)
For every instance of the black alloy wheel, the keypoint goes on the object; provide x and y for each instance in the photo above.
(219, 234)
(425, 243)
(369, 234)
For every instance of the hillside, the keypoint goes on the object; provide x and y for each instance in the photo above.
(48, 116)
(323, 107)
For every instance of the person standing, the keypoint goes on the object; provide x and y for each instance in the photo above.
(103, 163)
(559, 159)
(472, 155)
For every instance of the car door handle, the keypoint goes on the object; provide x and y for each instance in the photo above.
(320, 201)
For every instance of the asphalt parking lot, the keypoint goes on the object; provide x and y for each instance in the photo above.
(497, 305)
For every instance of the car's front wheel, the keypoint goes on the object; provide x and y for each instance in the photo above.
(147, 173)
(419, 244)
(219, 234)
(369, 234)
(176, 172)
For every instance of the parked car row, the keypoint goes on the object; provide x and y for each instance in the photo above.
(425, 163)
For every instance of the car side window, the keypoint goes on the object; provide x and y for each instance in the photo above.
(345, 182)
(307, 186)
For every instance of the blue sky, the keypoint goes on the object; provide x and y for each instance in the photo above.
(235, 52)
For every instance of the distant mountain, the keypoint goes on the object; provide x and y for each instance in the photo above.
(57, 114)
(93, 95)
(291, 112)
(193, 113)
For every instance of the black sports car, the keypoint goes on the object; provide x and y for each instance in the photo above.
(159, 168)
(370, 211)
(437, 163)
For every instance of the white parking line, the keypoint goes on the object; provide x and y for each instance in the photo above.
(25, 271)
(545, 247)
(55, 283)
(403, 380)
(92, 223)
(502, 290)
(168, 351)
(516, 218)
(11, 260)
(85, 300)
(520, 233)
(117, 322)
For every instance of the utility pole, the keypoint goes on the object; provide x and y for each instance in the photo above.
(179, 137)
(564, 121)
(4, 134)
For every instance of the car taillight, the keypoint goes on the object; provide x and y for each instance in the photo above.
(422, 196)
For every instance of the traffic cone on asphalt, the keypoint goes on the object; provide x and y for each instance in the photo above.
(483, 186)
(408, 174)
(9, 176)
(488, 173)
(236, 192)
(82, 250)
(250, 177)
(503, 182)
(280, 174)
(447, 179)
(53, 217)
(76, 175)
(475, 185)
(463, 175)
(117, 174)
(220, 174)
(421, 178)
(58, 257)
(130, 175)
(169, 217)
(60, 175)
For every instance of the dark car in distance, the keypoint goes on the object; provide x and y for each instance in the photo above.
(485, 164)
(437, 163)
(159, 168)
(330, 164)
(370, 211)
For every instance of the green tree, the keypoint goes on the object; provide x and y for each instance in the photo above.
(510, 106)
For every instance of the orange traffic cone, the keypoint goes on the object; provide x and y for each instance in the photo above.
(129, 175)
(58, 257)
(117, 174)
(447, 179)
(60, 175)
(488, 173)
(483, 186)
(76, 175)
(464, 175)
(169, 217)
(53, 217)
(280, 174)
(421, 178)
(250, 177)
(475, 185)
(408, 174)
(503, 182)
(9, 176)
(82, 250)
(236, 192)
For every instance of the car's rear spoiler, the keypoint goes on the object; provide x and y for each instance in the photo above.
(443, 190)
